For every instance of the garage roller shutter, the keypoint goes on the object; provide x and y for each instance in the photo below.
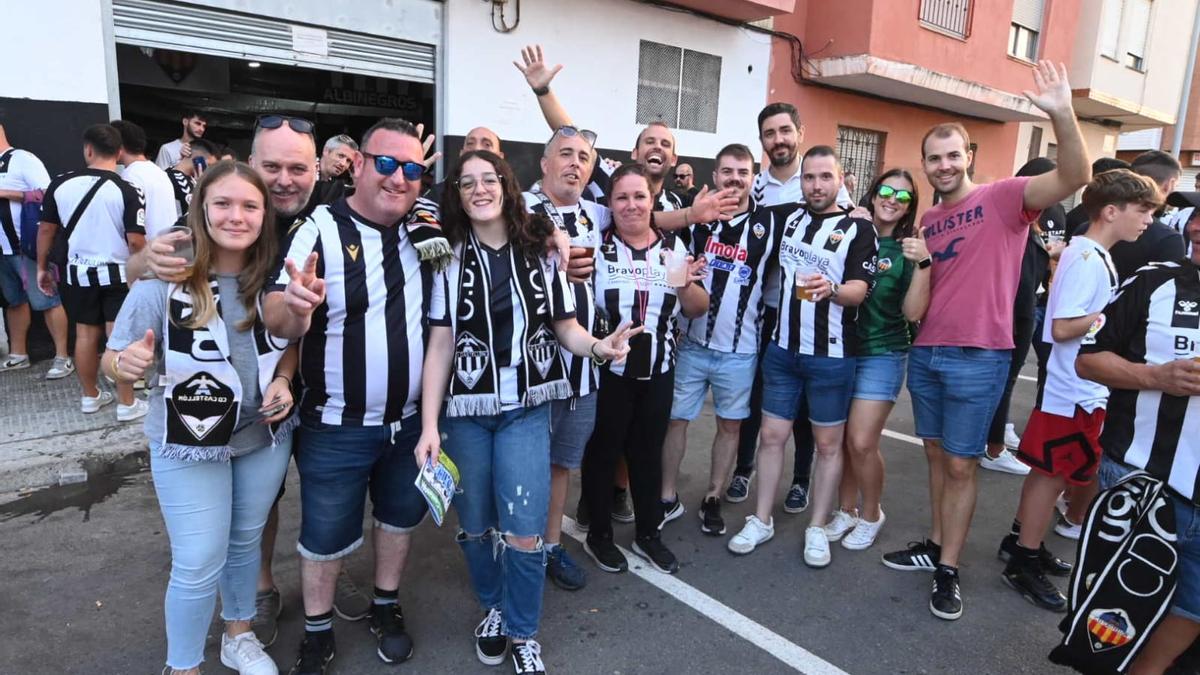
(149, 23)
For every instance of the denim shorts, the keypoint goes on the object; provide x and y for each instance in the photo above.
(824, 381)
(879, 377)
(955, 391)
(338, 466)
(730, 375)
(571, 424)
(18, 284)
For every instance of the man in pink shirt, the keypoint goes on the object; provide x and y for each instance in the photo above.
(959, 361)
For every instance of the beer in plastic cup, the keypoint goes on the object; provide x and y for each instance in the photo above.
(676, 269)
(803, 292)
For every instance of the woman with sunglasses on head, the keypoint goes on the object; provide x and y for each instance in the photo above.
(643, 276)
(900, 296)
(498, 316)
(220, 416)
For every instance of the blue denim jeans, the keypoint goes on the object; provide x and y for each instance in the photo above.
(215, 513)
(504, 465)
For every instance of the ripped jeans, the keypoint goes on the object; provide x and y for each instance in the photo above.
(504, 462)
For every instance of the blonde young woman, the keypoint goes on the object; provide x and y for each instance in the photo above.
(220, 414)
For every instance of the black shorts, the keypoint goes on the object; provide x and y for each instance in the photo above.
(93, 305)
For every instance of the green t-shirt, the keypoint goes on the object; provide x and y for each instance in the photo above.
(882, 327)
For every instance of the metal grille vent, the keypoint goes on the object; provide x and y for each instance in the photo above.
(678, 87)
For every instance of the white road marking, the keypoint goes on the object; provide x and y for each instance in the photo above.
(788, 652)
(1027, 378)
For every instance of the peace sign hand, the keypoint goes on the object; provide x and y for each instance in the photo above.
(536, 73)
(615, 347)
(306, 291)
(427, 145)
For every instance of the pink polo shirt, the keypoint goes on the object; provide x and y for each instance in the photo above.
(977, 245)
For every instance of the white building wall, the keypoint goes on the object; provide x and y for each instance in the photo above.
(53, 51)
(598, 43)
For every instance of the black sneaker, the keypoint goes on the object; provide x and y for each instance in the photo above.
(1051, 564)
(656, 553)
(920, 556)
(945, 601)
(563, 571)
(387, 623)
(581, 517)
(796, 500)
(738, 490)
(711, 521)
(491, 646)
(622, 506)
(1027, 578)
(316, 651)
(527, 658)
(606, 555)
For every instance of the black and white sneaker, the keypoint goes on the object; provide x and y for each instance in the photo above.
(606, 555)
(491, 646)
(656, 553)
(711, 522)
(387, 623)
(316, 651)
(739, 489)
(671, 511)
(946, 600)
(920, 556)
(527, 658)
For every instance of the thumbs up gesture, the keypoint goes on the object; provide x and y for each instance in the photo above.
(135, 360)
(306, 291)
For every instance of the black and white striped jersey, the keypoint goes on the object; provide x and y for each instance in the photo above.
(183, 185)
(22, 171)
(740, 253)
(841, 249)
(631, 285)
(96, 247)
(599, 187)
(583, 222)
(361, 360)
(1154, 319)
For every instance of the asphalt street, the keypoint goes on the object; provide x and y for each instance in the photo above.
(85, 567)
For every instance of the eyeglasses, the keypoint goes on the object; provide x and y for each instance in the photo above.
(568, 131)
(887, 191)
(467, 185)
(298, 124)
(386, 165)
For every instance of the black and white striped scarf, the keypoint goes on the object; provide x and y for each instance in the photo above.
(201, 388)
(475, 387)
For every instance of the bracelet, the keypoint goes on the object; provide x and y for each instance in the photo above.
(285, 379)
(541, 91)
(116, 365)
(595, 357)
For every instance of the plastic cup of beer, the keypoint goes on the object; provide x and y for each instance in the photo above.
(676, 270)
(803, 292)
(181, 241)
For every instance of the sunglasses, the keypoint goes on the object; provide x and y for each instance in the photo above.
(887, 191)
(568, 131)
(386, 165)
(298, 124)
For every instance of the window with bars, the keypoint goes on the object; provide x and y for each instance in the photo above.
(678, 87)
(951, 16)
(861, 151)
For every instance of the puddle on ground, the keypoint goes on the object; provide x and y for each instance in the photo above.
(105, 478)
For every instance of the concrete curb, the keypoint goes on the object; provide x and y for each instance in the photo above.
(61, 458)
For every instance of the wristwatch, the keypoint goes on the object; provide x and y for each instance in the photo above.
(834, 287)
(925, 263)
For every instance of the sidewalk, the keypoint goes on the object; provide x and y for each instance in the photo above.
(45, 438)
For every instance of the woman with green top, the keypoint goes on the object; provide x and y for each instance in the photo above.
(900, 296)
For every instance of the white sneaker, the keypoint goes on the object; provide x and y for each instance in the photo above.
(1065, 528)
(1006, 463)
(816, 547)
(134, 411)
(839, 525)
(1011, 440)
(1061, 504)
(754, 534)
(14, 362)
(245, 654)
(62, 367)
(91, 404)
(864, 533)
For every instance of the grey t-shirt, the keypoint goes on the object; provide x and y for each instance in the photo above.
(144, 309)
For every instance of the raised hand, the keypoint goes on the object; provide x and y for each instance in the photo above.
(1052, 92)
(134, 360)
(710, 206)
(306, 291)
(427, 145)
(536, 73)
(615, 347)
